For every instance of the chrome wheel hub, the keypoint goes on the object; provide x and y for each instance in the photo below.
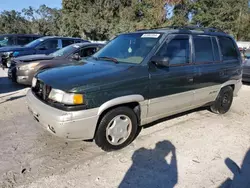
(118, 129)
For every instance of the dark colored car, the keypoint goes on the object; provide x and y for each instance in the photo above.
(246, 71)
(17, 39)
(137, 78)
(24, 68)
(44, 45)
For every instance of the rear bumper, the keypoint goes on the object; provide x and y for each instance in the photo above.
(77, 125)
(246, 77)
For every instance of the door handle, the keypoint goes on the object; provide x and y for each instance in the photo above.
(222, 73)
(190, 79)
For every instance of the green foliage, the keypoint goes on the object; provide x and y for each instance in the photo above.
(103, 19)
(228, 15)
(45, 21)
(13, 22)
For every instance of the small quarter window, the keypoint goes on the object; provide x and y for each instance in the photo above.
(203, 49)
(228, 49)
(67, 42)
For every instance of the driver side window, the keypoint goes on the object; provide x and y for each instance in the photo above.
(177, 49)
(86, 52)
(49, 44)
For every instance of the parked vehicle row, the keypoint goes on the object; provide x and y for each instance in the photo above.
(17, 39)
(23, 69)
(135, 79)
(44, 45)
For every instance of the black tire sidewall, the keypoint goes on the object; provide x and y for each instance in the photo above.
(219, 107)
(100, 137)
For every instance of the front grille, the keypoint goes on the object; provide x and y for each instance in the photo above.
(13, 63)
(41, 90)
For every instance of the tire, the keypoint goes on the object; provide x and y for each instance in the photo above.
(223, 101)
(114, 123)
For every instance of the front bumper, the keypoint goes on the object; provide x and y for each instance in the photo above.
(77, 125)
(24, 77)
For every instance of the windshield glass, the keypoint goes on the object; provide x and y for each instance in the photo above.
(6, 41)
(65, 51)
(129, 48)
(34, 43)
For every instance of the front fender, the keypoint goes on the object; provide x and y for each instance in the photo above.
(119, 101)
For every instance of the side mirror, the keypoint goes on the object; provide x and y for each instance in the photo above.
(76, 57)
(160, 61)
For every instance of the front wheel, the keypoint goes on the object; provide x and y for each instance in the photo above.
(223, 101)
(117, 129)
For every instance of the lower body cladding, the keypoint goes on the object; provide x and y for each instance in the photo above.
(81, 125)
(76, 125)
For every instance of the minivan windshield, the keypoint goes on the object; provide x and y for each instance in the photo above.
(5, 41)
(129, 48)
(34, 43)
(65, 51)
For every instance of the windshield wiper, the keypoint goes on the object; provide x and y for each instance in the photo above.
(108, 59)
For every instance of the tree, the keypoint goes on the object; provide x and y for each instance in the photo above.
(45, 20)
(227, 15)
(13, 22)
(102, 19)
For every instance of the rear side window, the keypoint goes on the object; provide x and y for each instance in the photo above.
(216, 49)
(67, 42)
(6, 41)
(228, 49)
(23, 40)
(203, 49)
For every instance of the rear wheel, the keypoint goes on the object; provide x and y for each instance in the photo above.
(117, 129)
(223, 101)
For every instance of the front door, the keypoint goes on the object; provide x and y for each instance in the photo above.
(171, 88)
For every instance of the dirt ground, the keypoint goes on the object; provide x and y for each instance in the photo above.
(194, 149)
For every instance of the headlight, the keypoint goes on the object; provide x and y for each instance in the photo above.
(7, 54)
(66, 98)
(16, 54)
(34, 80)
(29, 66)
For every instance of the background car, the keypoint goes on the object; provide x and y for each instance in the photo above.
(246, 67)
(23, 68)
(44, 45)
(17, 39)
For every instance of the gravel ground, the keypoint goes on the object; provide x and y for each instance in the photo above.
(194, 149)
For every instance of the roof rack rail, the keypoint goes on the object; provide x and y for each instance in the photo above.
(205, 29)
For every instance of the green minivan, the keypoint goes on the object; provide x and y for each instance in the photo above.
(136, 79)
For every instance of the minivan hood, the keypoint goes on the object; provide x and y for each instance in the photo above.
(84, 75)
(13, 48)
(29, 58)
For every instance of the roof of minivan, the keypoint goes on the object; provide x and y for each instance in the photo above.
(212, 32)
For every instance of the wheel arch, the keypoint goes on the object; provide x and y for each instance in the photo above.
(235, 84)
(125, 100)
(131, 101)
